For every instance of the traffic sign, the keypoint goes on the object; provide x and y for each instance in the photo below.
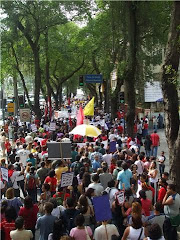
(10, 107)
(93, 78)
(25, 115)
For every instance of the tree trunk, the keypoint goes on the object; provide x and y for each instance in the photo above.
(15, 95)
(131, 66)
(37, 85)
(170, 94)
(60, 94)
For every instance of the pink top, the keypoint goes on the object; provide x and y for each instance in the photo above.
(80, 234)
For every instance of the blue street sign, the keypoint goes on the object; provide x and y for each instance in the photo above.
(93, 78)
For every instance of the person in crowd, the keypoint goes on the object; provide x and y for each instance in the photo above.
(20, 233)
(52, 181)
(154, 232)
(31, 184)
(60, 168)
(124, 177)
(12, 200)
(81, 232)
(57, 210)
(153, 177)
(23, 155)
(105, 231)
(105, 177)
(46, 222)
(69, 214)
(31, 159)
(171, 203)
(146, 203)
(140, 164)
(107, 157)
(42, 173)
(155, 143)
(136, 230)
(98, 188)
(117, 169)
(13, 177)
(96, 164)
(58, 231)
(96, 153)
(147, 145)
(8, 224)
(162, 189)
(161, 160)
(29, 214)
(158, 216)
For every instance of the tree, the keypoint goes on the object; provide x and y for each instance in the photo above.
(170, 86)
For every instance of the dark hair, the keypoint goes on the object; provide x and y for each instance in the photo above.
(48, 207)
(4, 205)
(166, 174)
(141, 157)
(124, 166)
(154, 232)
(43, 164)
(81, 173)
(19, 222)
(136, 222)
(89, 192)
(158, 206)
(144, 176)
(119, 163)
(163, 180)
(28, 203)
(54, 202)
(95, 178)
(142, 194)
(52, 173)
(60, 189)
(32, 170)
(10, 214)
(70, 202)
(24, 145)
(79, 220)
(105, 169)
(58, 229)
(31, 155)
(86, 179)
(111, 183)
(83, 204)
(77, 158)
(172, 186)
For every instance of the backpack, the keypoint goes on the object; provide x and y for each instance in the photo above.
(70, 220)
(59, 199)
(31, 182)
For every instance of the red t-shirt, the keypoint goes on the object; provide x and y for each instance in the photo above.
(61, 194)
(120, 128)
(104, 138)
(145, 126)
(44, 142)
(52, 181)
(8, 146)
(112, 167)
(146, 204)
(7, 227)
(155, 139)
(29, 215)
(161, 194)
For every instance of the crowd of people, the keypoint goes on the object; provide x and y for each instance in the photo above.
(32, 200)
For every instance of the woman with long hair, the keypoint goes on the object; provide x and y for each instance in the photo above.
(153, 177)
(29, 213)
(12, 200)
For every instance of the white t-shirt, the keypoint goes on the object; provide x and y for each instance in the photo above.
(2, 185)
(98, 188)
(23, 155)
(111, 137)
(14, 179)
(105, 232)
(135, 233)
(140, 166)
(57, 211)
(107, 158)
(21, 235)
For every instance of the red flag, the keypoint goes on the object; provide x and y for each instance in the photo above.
(80, 116)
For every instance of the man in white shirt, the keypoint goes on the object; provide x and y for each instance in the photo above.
(23, 155)
(140, 165)
(98, 188)
(112, 136)
(14, 179)
(107, 158)
(105, 231)
(105, 177)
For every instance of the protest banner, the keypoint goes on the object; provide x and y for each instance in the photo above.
(52, 126)
(67, 179)
(84, 144)
(120, 197)
(112, 147)
(4, 172)
(33, 127)
(59, 150)
(102, 208)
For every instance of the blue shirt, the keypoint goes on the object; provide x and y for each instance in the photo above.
(45, 223)
(96, 165)
(32, 160)
(124, 178)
